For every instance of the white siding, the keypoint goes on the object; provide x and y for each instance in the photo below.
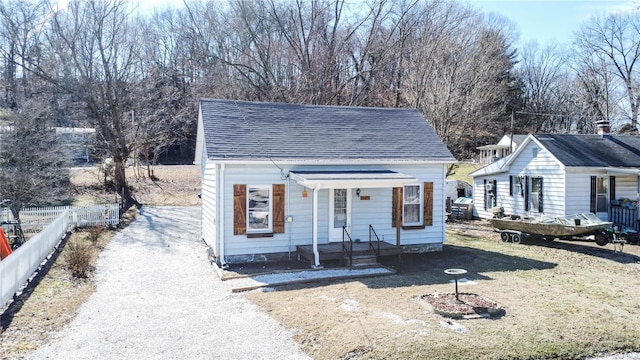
(626, 187)
(209, 203)
(543, 165)
(578, 192)
(376, 211)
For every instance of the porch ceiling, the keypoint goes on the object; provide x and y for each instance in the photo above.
(351, 179)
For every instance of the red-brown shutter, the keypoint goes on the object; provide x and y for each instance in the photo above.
(278, 208)
(428, 204)
(396, 204)
(239, 209)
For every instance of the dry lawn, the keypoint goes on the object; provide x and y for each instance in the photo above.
(176, 185)
(565, 299)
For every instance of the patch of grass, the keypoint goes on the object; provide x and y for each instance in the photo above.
(462, 171)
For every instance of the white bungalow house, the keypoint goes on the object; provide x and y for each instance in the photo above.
(507, 145)
(557, 175)
(283, 178)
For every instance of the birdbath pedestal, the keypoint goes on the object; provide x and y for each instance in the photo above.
(456, 273)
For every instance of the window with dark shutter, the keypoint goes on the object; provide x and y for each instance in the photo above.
(592, 202)
(540, 198)
(396, 207)
(495, 192)
(484, 188)
(278, 208)
(510, 185)
(239, 209)
(612, 188)
(428, 204)
(397, 204)
(526, 193)
(266, 209)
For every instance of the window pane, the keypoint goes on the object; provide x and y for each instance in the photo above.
(535, 193)
(258, 209)
(411, 204)
(339, 208)
(602, 197)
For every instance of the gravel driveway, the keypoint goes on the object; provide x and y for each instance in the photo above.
(157, 297)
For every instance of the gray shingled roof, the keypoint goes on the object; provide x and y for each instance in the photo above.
(594, 150)
(260, 131)
(518, 139)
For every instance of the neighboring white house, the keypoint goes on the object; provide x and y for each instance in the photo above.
(276, 176)
(506, 145)
(76, 143)
(557, 175)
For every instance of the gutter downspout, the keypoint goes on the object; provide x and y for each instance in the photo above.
(221, 193)
(316, 254)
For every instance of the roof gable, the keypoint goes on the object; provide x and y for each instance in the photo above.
(261, 131)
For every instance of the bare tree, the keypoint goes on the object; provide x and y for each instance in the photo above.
(94, 44)
(33, 169)
(19, 44)
(615, 38)
(459, 74)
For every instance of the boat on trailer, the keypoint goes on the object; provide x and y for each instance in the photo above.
(513, 228)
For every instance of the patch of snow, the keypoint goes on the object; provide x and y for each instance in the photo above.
(394, 318)
(349, 305)
(451, 325)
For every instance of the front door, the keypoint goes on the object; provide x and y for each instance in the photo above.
(339, 213)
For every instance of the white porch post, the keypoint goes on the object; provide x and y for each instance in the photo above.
(316, 254)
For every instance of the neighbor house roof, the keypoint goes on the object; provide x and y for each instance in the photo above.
(593, 150)
(262, 131)
(600, 151)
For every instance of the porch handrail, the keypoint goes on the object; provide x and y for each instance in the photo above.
(344, 246)
(373, 231)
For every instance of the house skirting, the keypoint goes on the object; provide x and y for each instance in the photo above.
(421, 248)
(286, 256)
(260, 258)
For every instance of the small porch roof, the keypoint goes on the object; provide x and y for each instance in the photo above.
(351, 179)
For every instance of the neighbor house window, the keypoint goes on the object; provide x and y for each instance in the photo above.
(535, 196)
(602, 198)
(259, 209)
(412, 205)
(490, 191)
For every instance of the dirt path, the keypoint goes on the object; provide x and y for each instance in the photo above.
(157, 296)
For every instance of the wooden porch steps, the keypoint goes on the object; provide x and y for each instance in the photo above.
(334, 251)
(360, 260)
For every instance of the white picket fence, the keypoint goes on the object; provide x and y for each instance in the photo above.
(53, 222)
(35, 219)
(18, 267)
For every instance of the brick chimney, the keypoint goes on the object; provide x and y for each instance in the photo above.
(603, 127)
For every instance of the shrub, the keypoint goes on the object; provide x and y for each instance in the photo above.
(78, 257)
(94, 233)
